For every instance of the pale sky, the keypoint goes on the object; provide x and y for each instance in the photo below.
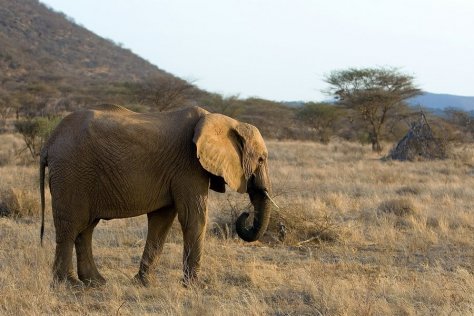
(282, 49)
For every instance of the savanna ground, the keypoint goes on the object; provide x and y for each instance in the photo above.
(354, 236)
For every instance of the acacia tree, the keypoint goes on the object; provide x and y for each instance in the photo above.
(377, 94)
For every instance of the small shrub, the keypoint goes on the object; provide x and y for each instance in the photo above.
(18, 203)
(399, 207)
(9, 204)
(290, 225)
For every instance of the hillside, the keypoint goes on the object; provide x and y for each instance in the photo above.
(45, 54)
(35, 41)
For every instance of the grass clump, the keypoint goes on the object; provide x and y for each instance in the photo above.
(399, 207)
(409, 190)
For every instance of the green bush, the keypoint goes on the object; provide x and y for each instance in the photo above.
(35, 131)
(321, 117)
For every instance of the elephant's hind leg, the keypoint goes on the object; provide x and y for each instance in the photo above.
(159, 224)
(62, 267)
(86, 268)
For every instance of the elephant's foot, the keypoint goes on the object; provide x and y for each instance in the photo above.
(194, 283)
(69, 281)
(190, 276)
(141, 279)
(190, 279)
(186, 283)
(93, 281)
(88, 273)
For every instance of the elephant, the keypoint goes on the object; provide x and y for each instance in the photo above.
(108, 162)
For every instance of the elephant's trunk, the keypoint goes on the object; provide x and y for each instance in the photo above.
(262, 206)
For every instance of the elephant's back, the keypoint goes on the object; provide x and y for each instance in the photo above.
(119, 129)
(111, 108)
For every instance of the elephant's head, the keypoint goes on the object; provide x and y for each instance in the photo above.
(236, 152)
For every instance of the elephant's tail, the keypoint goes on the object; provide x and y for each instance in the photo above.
(43, 164)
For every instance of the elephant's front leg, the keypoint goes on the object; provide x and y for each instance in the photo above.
(159, 224)
(192, 218)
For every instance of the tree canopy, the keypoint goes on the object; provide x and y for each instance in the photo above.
(377, 94)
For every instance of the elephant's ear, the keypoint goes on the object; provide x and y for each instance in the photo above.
(219, 149)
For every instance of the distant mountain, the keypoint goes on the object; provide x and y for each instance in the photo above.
(293, 104)
(442, 101)
(432, 101)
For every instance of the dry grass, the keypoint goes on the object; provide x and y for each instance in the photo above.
(370, 256)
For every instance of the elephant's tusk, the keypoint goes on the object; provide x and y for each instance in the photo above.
(271, 200)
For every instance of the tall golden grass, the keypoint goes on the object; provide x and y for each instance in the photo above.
(360, 237)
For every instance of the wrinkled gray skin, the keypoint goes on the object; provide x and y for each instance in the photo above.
(114, 163)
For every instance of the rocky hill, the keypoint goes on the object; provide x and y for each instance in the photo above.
(43, 53)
